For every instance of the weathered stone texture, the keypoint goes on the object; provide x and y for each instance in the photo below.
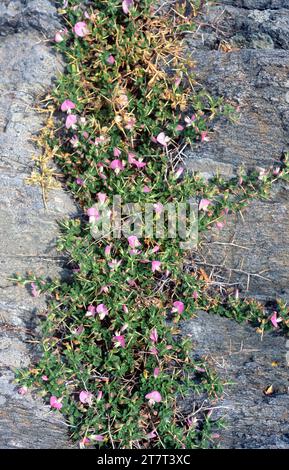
(249, 365)
(257, 80)
(28, 231)
(253, 247)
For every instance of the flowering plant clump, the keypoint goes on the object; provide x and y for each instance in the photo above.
(112, 360)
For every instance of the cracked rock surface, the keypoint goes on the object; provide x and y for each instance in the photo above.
(256, 78)
(241, 52)
(28, 231)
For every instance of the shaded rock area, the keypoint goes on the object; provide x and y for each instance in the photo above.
(28, 231)
(241, 53)
(255, 403)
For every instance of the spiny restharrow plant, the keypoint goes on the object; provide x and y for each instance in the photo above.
(112, 358)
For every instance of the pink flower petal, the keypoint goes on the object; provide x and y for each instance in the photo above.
(119, 341)
(71, 121)
(101, 197)
(204, 203)
(154, 396)
(275, 320)
(110, 60)
(133, 241)
(81, 29)
(117, 166)
(116, 152)
(156, 266)
(156, 372)
(67, 105)
(90, 312)
(55, 403)
(92, 212)
(102, 311)
(127, 5)
(154, 335)
(162, 139)
(34, 290)
(178, 307)
(23, 390)
(86, 397)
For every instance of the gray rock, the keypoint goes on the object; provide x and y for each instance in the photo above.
(252, 249)
(257, 81)
(248, 364)
(29, 231)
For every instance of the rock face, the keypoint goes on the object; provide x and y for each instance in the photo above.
(256, 78)
(255, 416)
(28, 231)
(241, 53)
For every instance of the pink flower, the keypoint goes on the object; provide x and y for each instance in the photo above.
(133, 241)
(204, 136)
(110, 60)
(34, 290)
(79, 181)
(101, 197)
(178, 81)
(203, 205)
(67, 105)
(107, 250)
(159, 207)
(125, 309)
(74, 141)
(146, 189)
(154, 335)
(195, 295)
(154, 397)
(156, 266)
(178, 172)
(119, 341)
(156, 372)
(79, 330)
(102, 311)
(93, 214)
(59, 36)
(55, 403)
(44, 378)
(90, 312)
(127, 5)
(162, 139)
(178, 307)
(97, 437)
(154, 351)
(116, 152)
(156, 249)
(276, 171)
(189, 120)
(86, 397)
(151, 435)
(133, 161)
(275, 320)
(85, 441)
(179, 128)
(117, 166)
(130, 123)
(23, 390)
(104, 289)
(114, 264)
(81, 29)
(71, 121)
(219, 225)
